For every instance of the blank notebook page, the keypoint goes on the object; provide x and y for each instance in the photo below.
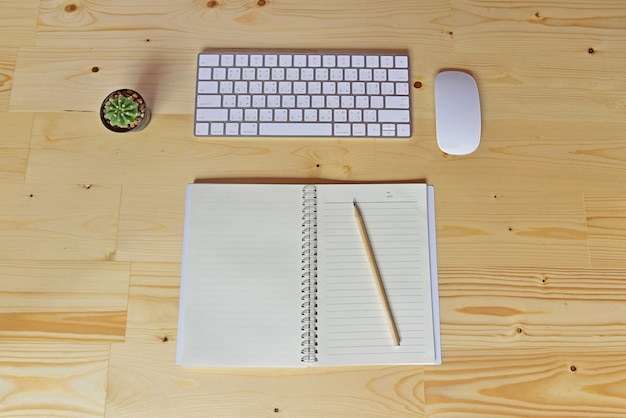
(352, 327)
(243, 261)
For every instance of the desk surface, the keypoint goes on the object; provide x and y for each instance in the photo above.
(531, 227)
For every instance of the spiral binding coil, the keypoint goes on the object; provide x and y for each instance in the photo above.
(309, 276)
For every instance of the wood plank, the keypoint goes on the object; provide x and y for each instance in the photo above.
(519, 155)
(8, 57)
(53, 380)
(166, 79)
(509, 228)
(153, 303)
(158, 236)
(63, 301)
(14, 143)
(533, 308)
(606, 223)
(505, 383)
(145, 382)
(323, 23)
(58, 221)
(18, 20)
(67, 149)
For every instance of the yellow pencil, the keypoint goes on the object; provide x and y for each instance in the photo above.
(379, 282)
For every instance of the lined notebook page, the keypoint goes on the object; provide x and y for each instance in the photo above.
(352, 325)
(240, 297)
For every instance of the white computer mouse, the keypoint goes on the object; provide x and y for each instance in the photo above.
(457, 112)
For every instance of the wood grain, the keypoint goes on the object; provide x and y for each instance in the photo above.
(524, 383)
(153, 303)
(606, 220)
(144, 382)
(533, 308)
(8, 57)
(14, 146)
(62, 301)
(158, 237)
(18, 20)
(243, 23)
(542, 229)
(58, 221)
(53, 380)
(67, 149)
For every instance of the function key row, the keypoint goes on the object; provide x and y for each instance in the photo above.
(303, 60)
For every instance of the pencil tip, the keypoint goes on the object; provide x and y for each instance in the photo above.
(354, 202)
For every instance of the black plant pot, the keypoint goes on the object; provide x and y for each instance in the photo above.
(139, 123)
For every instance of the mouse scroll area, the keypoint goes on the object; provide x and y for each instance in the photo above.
(457, 111)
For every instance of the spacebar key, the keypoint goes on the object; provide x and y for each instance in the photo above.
(296, 129)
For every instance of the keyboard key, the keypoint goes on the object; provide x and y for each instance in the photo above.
(285, 60)
(369, 115)
(372, 61)
(251, 115)
(243, 101)
(296, 129)
(212, 115)
(402, 61)
(341, 129)
(217, 129)
(278, 73)
(403, 130)
(241, 60)
(271, 60)
(358, 61)
(343, 61)
(228, 60)
(204, 74)
(202, 129)
(263, 73)
(336, 74)
(226, 87)
(295, 115)
(266, 115)
(281, 115)
(208, 87)
(258, 101)
(310, 115)
(314, 87)
(340, 115)
(389, 127)
(358, 129)
(373, 129)
(397, 102)
(394, 115)
(315, 61)
(387, 61)
(249, 128)
(326, 115)
(209, 60)
(209, 100)
(402, 88)
(365, 74)
(329, 61)
(387, 88)
(299, 60)
(355, 115)
(256, 60)
(219, 73)
(232, 129)
(236, 115)
(398, 75)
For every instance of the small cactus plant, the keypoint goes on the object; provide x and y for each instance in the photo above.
(124, 111)
(121, 111)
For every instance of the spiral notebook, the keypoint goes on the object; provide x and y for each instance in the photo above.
(276, 275)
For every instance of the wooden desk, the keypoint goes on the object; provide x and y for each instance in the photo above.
(531, 227)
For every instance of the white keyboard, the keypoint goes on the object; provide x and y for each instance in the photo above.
(303, 94)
